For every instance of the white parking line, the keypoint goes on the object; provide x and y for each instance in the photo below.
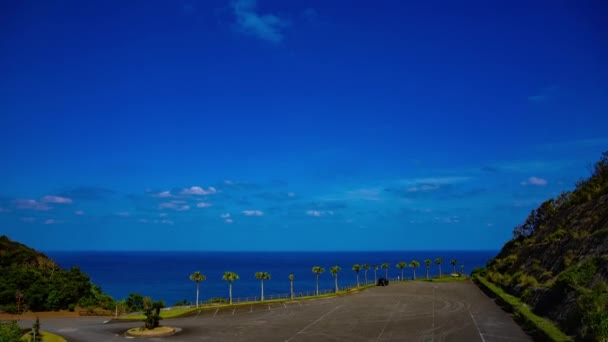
(313, 323)
(477, 327)
(387, 322)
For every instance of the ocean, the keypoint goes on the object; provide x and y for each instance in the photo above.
(164, 275)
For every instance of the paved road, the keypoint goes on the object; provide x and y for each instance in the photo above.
(410, 311)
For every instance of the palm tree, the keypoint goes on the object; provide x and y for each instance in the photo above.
(438, 261)
(262, 276)
(428, 264)
(230, 277)
(334, 271)
(414, 264)
(401, 265)
(461, 269)
(357, 268)
(375, 276)
(454, 262)
(385, 267)
(318, 270)
(291, 278)
(197, 277)
(365, 268)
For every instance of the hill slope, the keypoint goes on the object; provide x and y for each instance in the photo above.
(557, 261)
(41, 283)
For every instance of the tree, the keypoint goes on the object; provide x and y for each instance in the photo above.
(375, 273)
(385, 267)
(438, 261)
(197, 277)
(401, 265)
(152, 313)
(230, 277)
(262, 276)
(10, 331)
(357, 268)
(318, 270)
(414, 264)
(291, 279)
(35, 333)
(462, 269)
(365, 268)
(454, 262)
(428, 264)
(334, 271)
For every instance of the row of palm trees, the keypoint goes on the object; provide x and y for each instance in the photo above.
(230, 277)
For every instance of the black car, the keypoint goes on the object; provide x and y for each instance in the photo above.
(382, 282)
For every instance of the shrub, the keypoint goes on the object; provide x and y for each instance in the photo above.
(594, 307)
(10, 331)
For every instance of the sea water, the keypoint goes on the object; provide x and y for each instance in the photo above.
(165, 275)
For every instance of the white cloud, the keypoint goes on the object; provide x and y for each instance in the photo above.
(50, 221)
(163, 194)
(227, 215)
(163, 214)
(291, 194)
(169, 222)
(253, 213)
(535, 181)
(424, 187)
(183, 208)
(229, 221)
(56, 199)
(123, 214)
(175, 204)
(143, 220)
(79, 212)
(319, 213)
(22, 203)
(203, 205)
(28, 219)
(197, 190)
(267, 27)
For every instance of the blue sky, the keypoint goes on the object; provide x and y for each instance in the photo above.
(284, 125)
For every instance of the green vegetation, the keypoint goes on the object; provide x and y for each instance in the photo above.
(557, 261)
(438, 261)
(334, 272)
(197, 277)
(317, 270)
(152, 314)
(31, 281)
(427, 263)
(44, 335)
(414, 264)
(357, 268)
(230, 277)
(454, 262)
(291, 279)
(401, 265)
(262, 276)
(10, 331)
(385, 267)
(541, 327)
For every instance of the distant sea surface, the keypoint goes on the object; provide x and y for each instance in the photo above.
(164, 275)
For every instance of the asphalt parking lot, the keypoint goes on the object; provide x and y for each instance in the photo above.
(409, 311)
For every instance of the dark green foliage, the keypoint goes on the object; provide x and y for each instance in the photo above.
(594, 305)
(481, 271)
(558, 254)
(135, 302)
(42, 284)
(182, 302)
(35, 333)
(152, 313)
(10, 331)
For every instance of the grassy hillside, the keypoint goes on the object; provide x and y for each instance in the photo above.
(41, 284)
(557, 261)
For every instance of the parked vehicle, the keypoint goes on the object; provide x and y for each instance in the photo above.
(382, 282)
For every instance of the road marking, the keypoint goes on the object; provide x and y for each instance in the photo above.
(313, 323)
(477, 327)
(387, 322)
(215, 313)
(233, 310)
